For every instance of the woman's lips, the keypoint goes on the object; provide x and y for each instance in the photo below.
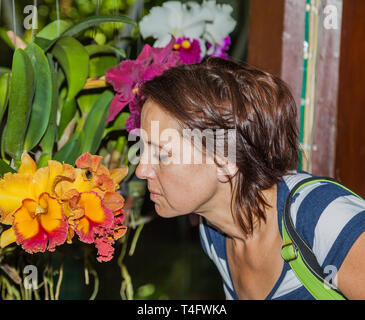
(154, 195)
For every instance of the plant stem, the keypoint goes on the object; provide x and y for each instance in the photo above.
(96, 284)
(59, 283)
(135, 239)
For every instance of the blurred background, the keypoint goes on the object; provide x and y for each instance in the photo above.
(317, 47)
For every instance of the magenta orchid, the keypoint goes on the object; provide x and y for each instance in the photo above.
(127, 77)
(220, 50)
(190, 51)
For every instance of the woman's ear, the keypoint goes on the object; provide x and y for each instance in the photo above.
(225, 169)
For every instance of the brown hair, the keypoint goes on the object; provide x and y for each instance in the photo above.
(222, 94)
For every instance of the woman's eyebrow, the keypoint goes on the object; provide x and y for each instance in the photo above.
(157, 145)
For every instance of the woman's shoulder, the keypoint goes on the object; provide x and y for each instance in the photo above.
(329, 217)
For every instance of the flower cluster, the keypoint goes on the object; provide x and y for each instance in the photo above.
(46, 207)
(185, 34)
(129, 75)
(209, 24)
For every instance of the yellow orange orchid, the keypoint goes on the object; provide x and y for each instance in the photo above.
(47, 206)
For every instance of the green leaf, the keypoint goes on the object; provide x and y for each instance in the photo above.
(93, 21)
(60, 78)
(74, 61)
(49, 137)
(4, 70)
(4, 168)
(67, 113)
(20, 102)
(71, 150)
(50, 31)
(95, 123)
(49, 34)
(82, 25)
(4, 93)
(118, 123)
(4, 36)
(98, 65)
(42, 102)
(86, 101)
(94, 49)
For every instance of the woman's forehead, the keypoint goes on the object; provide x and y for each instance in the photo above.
(153, 115)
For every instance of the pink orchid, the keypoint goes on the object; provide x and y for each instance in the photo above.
(220, 49)
(190, 51)
(127, 77)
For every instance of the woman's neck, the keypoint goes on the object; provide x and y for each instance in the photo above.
(221, 217)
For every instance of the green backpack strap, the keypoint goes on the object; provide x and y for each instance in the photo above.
(300, 256)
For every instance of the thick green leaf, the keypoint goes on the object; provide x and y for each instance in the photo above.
(98, 65)
(42, 102)
(67, 113)
(49, 34)
(50, 31)
(95, 123)
(74, 61)
(4, 36)
(60, 78)
(94, 49)
(86, 101)
(71, 150)
(49, 137)
(118, 123)
(93, 21)
(82, 25)
(4, 168)
(4, 93)
(20, 101)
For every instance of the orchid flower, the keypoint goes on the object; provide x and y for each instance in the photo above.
(209, 24)
(189, 50)
(173, 19)
(220, 50)
(220, 23)
(45, 207)
(129, 75)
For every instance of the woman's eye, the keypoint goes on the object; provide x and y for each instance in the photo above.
(162, 156)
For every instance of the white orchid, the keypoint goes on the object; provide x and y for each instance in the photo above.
(173, 18)
(220, 24)
(209, 22)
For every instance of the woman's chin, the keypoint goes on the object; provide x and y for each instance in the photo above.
(166, 213)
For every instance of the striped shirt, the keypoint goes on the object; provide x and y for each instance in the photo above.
(327, 217)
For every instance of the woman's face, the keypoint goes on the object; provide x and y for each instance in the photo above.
(177, 186)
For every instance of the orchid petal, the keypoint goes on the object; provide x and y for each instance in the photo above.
(13, 189)
(7, 237)
(27, 165)
(89, 162)
(116, 106)
(118, 174)
(96, 214)
(113, 201)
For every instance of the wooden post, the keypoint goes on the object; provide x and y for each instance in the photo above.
(276, 45)
(350, 144)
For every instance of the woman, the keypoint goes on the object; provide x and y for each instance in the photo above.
(240, 187)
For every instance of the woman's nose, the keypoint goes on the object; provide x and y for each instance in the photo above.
(144, 170)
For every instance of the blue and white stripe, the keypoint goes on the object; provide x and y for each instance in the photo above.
(328, 217)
